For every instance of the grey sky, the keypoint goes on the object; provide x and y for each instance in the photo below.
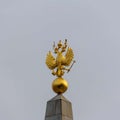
(27, 31)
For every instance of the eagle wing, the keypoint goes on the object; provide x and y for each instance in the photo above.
(68, 57)
(50, 61)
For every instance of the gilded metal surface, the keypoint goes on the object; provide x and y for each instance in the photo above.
(60, 64)
(59, 85)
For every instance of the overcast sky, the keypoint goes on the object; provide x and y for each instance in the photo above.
(27, 31)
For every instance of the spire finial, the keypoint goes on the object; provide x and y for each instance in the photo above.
(59, 65)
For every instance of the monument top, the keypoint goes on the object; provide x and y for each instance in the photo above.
(59, 108)
(60, 64)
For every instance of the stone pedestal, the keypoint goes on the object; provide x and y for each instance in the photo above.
(59, 108)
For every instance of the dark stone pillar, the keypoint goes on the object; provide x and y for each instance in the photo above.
(59, 108)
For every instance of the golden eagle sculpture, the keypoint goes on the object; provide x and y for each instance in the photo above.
(60, 64)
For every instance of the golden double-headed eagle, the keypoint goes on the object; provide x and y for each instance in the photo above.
(63, 59)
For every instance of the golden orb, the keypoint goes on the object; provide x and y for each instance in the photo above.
(59, 85)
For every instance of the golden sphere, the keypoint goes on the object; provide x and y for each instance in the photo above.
(59, 85)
